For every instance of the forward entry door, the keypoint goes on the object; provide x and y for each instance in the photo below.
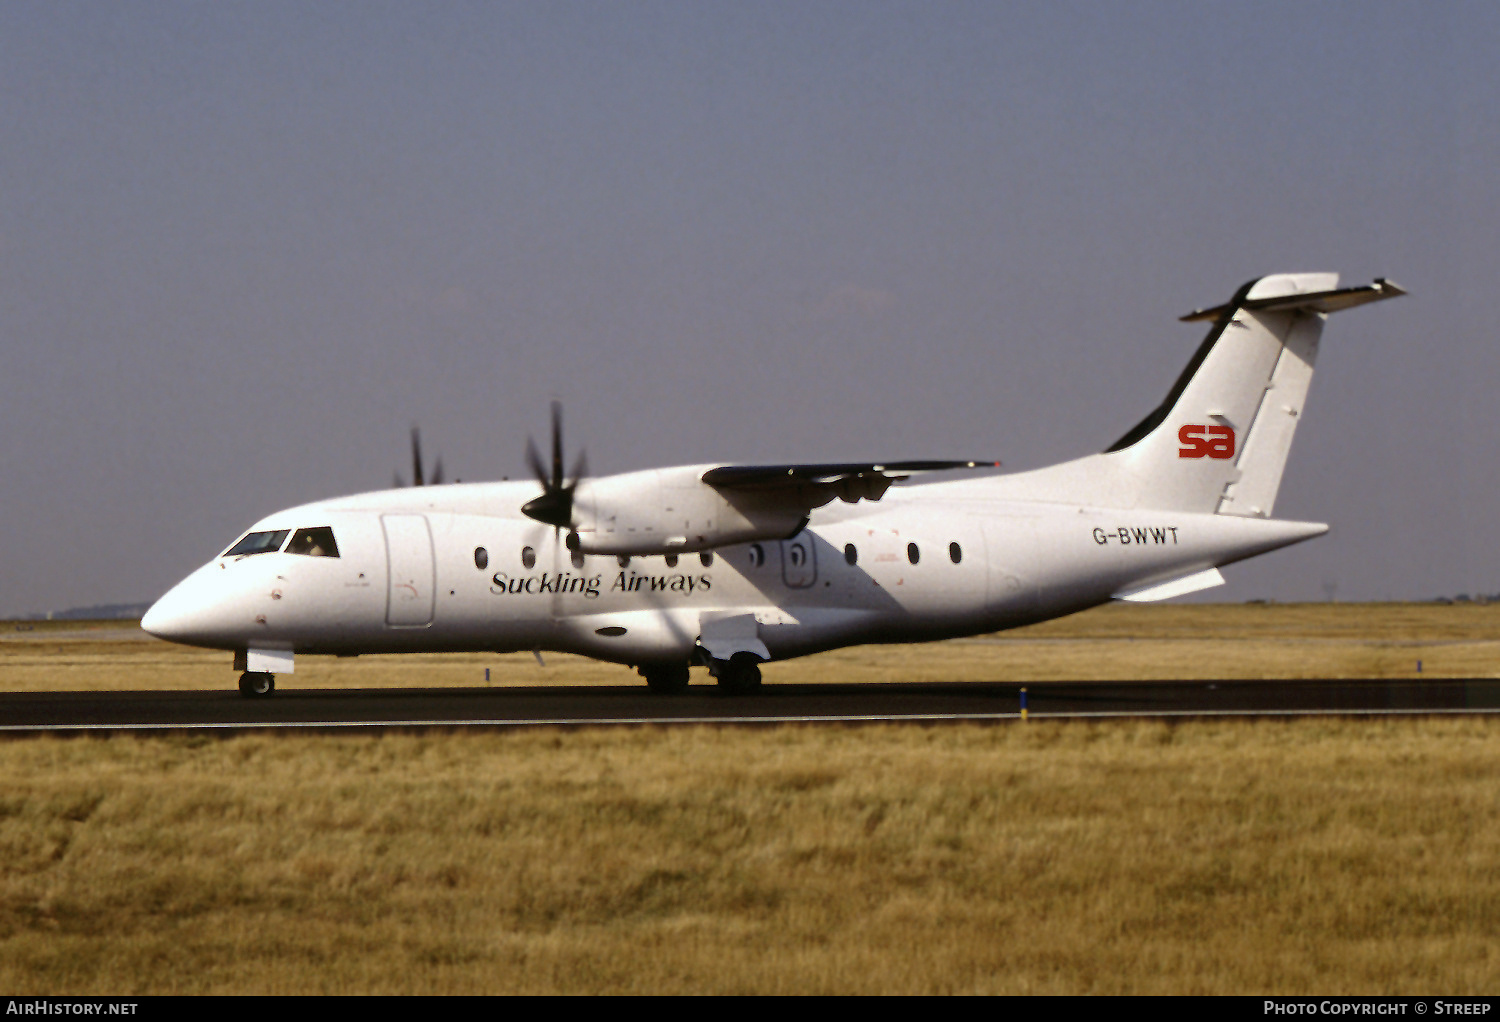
(408, 551)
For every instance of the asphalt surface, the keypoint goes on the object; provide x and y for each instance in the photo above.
(341, 709)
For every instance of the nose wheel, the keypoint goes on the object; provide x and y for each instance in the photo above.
(257, 684)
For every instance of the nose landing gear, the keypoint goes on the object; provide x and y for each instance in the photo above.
(258, 662)
(257, 684)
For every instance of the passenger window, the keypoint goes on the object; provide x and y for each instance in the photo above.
(528, 558)
(257, 543)
(955, 552)
(671, 560)
(912, 553)
(706, 558)
(851, 555)
(481, 558)
(314, 543)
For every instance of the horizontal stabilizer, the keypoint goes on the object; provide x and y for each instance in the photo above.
(1336, 300)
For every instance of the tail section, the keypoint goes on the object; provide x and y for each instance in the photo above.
(1220, 440)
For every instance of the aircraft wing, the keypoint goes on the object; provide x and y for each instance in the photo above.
(813, 486)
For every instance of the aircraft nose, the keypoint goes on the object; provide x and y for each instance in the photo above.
(172, 616)
(196, 611)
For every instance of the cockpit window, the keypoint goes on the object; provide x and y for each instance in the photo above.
(258, 543)
(314, 543)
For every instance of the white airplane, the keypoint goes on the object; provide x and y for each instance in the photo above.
(730, 566)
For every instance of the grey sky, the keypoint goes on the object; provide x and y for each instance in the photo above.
(244, 247)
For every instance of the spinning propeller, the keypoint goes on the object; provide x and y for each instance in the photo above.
(416, 464)
(555, 506)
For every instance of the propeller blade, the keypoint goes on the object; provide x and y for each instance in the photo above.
(534, 460)
(557, 440)
(554, 506)
(419, 477)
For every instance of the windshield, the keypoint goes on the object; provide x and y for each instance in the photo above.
(258, 543)
(314, 543)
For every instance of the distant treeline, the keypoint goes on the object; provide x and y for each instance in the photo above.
(98, 612)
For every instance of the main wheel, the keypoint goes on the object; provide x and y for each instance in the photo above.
(741, 675)
(257, 684)
(668, 679)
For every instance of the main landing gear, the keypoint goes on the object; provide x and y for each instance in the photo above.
(257, 684)
(668, 679)
(739, 675)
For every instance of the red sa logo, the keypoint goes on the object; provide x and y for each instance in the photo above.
(1206, 442)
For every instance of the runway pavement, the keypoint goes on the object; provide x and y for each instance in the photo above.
(343, 709)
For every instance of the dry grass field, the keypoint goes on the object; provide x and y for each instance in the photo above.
(1309, 856)
(1316, 855)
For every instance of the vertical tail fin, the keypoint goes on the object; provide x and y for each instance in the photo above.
(1219, 441)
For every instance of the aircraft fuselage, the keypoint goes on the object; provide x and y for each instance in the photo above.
(427, 570)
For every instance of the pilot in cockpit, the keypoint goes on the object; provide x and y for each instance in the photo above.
(317, 542)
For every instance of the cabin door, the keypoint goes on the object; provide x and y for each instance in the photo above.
(408, 550)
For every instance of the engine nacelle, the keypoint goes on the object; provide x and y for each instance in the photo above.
(671, 511)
